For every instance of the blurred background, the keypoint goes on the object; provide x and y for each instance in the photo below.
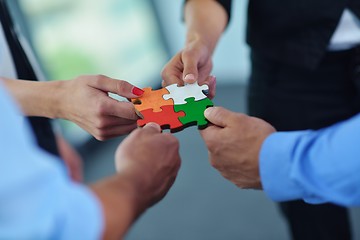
(132, 40)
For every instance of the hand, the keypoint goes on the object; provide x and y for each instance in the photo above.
(234, 143)
(85, 101)
(71, 158)
(147, 162)
(151, 159)
(191, 64)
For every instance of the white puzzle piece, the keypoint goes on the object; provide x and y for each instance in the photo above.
(179, 94)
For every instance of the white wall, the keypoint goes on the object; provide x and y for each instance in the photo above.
(231, 60)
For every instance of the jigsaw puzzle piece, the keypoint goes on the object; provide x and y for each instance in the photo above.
(194, 112)
(179, 94)
(151, 99)
(167, 118)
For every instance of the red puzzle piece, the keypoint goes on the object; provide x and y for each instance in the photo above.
(167, 118)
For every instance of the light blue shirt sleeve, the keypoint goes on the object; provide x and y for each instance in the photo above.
(317, 166)
(37, 199)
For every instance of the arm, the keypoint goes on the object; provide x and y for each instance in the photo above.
(205, 21)
(83, 100)
(145, 174)
(71, 157)
(317, 166)
(37, 199)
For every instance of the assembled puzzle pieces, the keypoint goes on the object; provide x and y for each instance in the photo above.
(173, 107)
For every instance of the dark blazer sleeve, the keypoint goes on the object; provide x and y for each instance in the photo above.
(225, 3)
(227, 6)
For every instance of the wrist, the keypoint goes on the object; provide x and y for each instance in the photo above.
(137, 183)
(201, 42)
(52, 92)
(122, 203)
(57, 98)
(205, 21)
(35, 98)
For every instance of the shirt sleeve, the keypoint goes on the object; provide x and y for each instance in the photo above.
(37, 199)
(226, 4)
(317, 166)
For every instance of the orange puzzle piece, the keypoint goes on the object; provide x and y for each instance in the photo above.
(151, 99)
(167, 118)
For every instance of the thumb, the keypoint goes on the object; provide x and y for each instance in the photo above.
(219, 116)
(120, 87)
(190, 73)
(152, 127)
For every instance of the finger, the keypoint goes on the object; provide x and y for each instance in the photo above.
(211, 82)
(152, 127)
(115, 131)
(172, 72)
(190, 73)
(125, 110)
(112, 121)
(109, 122)
(120, 87)
(171, 80)
(219, 116)
(210, 135)
(204, 71)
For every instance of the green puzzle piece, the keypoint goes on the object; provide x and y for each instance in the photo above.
(194, 111)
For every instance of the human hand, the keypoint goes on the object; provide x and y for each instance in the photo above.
(234, 143)
(150, 159)
(191, 64)
(147, 162)
(85, 101)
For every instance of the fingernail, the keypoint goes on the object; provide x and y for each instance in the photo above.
(154, 125)
(137, 91)
(208, 111)
(190, 77)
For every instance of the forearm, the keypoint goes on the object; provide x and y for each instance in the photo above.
(205, 21)
(318, 166)
(35, 98)
(122, 203)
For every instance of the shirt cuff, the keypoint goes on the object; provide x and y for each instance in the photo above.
(275, 166)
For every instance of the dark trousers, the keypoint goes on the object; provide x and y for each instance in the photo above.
(291, 98)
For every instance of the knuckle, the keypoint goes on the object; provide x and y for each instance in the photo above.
(212, 145)
(188, 53)
(121, 86)
(100, 135)
(170, 140)
(164, 72)
(98, 79)
(100, 108)
(100, 123)
(101, 138)
(214, 163)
